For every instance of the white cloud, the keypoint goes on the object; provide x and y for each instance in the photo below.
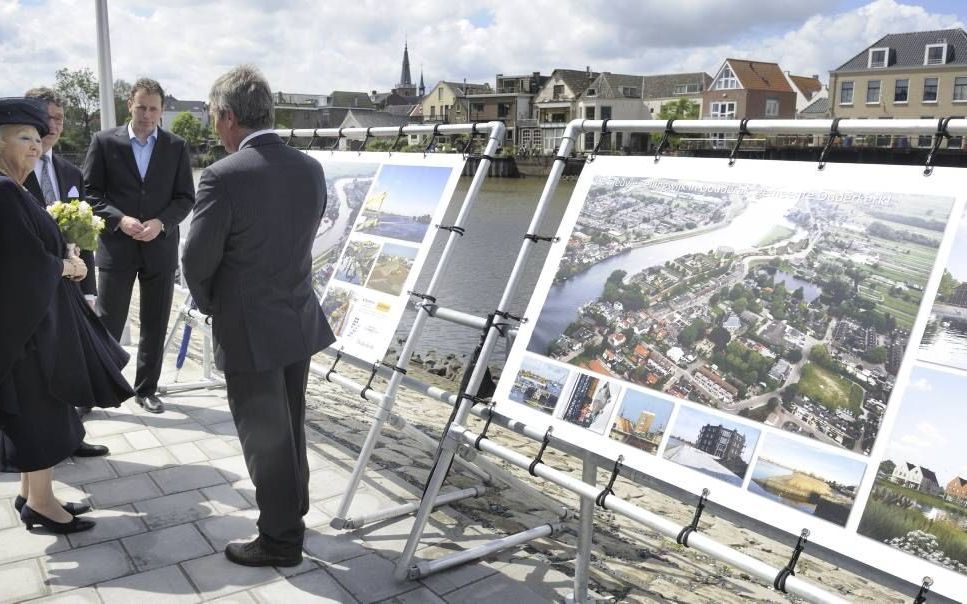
(921, 385)
(316, 47)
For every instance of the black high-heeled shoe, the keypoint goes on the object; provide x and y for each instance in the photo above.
(31, 518)
(74, 509)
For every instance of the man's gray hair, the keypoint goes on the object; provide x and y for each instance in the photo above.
(245, 92)
(47, 94)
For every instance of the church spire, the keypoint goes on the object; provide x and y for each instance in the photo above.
(406, 81)
(422, 86)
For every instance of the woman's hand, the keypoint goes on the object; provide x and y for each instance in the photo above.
(74, 268)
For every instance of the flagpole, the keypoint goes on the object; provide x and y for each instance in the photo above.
(104, 76)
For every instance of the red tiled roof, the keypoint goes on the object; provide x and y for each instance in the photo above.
(756, 75)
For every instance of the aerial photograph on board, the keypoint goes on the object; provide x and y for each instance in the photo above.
(945, 339)
(788, 307)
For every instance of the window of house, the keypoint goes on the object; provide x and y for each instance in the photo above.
(955, 142)
(722, 110)
(901, 90)
(591, 92)
(589, 141)
(558, 91)
(772, 107)
(606, 112)
(432, 110)
(960, 89)
(925, 140)
(935, 54)
(930, 90)
(439, 94)
(846, 93)
(476, 107)
(687, 89)
(873, 91)
(503, 109)
(727, 80)
(879, 57)
(630, 92)
(589, 113)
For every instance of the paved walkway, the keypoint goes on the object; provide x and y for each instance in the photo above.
(174, 491)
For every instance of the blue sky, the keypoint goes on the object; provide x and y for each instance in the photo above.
(635, 402)
(928, 430)
(413, 190)
(306, 46)
(543, 368)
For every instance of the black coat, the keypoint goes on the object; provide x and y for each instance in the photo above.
(248, 257)
(115, 189)
(68, 177)
(46, 322)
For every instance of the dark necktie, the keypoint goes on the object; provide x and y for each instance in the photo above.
(45, 185)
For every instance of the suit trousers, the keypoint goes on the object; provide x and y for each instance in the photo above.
(114, 299)
(269, 409)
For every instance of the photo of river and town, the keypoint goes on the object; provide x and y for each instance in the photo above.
(789, 307)
(945, 339)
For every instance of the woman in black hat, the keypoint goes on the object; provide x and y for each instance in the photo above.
(54, 352)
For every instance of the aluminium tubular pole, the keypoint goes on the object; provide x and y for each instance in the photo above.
(697, 540)
(582, 561)
(493, 143)
(448, 449)
(104, 76)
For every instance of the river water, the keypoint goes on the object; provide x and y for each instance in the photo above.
(945, 342)
(564, 299)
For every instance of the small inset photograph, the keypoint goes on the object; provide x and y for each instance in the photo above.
(945, 339)
(357, 261)
(590, 404)
(803, 477)
(401, 202)
(392, 268)
(642, 420)
(919, 499)
(538, 384)
(336, 307)
(711, 445)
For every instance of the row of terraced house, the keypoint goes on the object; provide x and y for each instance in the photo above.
(906, 75)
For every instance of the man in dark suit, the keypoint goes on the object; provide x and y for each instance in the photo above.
(56, 179)
(139, 180)
(248, 264)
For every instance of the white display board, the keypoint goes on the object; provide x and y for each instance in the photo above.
(380, 220)
(753, 330)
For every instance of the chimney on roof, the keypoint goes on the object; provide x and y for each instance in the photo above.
(815, 76)
(588, 71)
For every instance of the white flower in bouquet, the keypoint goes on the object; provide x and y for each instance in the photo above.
(77, 223)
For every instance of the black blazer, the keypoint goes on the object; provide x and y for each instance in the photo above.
(115, 189)
(248, 257)
(68, 177)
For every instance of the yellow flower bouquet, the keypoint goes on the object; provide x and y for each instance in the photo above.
(77, 223)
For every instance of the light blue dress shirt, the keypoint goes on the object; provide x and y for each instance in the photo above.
(142, 152)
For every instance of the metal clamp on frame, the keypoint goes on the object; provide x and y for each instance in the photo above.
(924, 590)
(431, 146)
(535, 238)
(333, 367)
(392, 367)
(609, 490)
(938, 138)
(743, 132)
(833, 135)
(312, 140)
(335, 145)
(604, 132)
(540, 452)
(424, 297)
(469, 145)
(396, 141)
(682, 538)
(790, 569)
(369, 382)
(506, 315)
(453, 229)
(289, 138)
(365, 140)
(483, 433)
(664, 140)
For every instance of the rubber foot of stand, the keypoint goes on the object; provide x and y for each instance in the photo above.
(340, 524)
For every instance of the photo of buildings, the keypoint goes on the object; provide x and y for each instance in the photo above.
(788, 307)
(539, 384)
(807, 478)
(919, 500)
(336, 307)
(712, 445)
(357, 261)
(642, 420)
(392, 268)
(347, 183)
(402, 201)
(945, 339)
(590, 403)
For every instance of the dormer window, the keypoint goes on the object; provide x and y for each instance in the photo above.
(935, 54)
(879, 57)
(591, 92)
(727, 80)
(629, 91)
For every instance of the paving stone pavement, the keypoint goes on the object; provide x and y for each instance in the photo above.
(175, 491)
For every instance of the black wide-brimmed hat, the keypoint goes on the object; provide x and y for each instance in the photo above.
(29, 112)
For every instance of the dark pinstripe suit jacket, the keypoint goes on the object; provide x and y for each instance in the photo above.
(248, 258)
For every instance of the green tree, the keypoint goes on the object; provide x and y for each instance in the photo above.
(122, 92)
(875, 355)
(682, 109)
(720, 337)
(189, 128)
(947, 286)
(79, 89)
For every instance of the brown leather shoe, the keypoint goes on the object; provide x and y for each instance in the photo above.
(256, 553)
